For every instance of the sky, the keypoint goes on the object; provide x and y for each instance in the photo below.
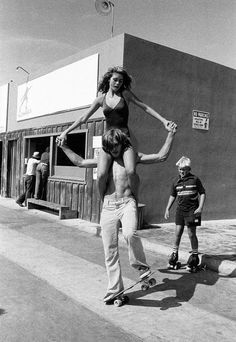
(37, 33)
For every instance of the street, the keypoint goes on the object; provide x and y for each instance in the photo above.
(52, 283)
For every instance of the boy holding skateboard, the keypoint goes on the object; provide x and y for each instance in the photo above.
(190, 194)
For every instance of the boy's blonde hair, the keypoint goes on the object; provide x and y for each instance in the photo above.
(184, 162)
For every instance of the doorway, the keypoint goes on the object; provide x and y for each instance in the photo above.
(1, 166)
(11, 168)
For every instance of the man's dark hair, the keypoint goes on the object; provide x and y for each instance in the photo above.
(114, 137)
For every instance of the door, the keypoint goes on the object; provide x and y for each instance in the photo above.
(11, 168)
(0, 166)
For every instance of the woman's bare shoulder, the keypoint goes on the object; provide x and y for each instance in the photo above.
(99, 99)
(127, 94)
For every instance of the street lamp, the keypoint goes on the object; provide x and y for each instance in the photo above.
(19, 67)
(105, 7)
(23, 105)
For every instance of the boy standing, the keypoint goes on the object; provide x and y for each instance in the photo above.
(190, 194)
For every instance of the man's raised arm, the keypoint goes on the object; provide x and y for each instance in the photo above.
(76, 159)
(164, 152)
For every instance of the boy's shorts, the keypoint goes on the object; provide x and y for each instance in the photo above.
(187, 218)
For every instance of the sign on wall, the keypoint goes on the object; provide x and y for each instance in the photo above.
(97, 145)
(67, 88)
(3, 107)
(201, 120)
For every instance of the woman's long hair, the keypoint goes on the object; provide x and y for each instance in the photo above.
(103, 85)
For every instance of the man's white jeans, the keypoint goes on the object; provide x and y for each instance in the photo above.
(114, 213)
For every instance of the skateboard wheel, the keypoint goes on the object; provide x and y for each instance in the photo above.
(152, 282)
(191, 270)
(121, 301)
(118, 302)
(144, 287)
(125, 299)
(178, 265)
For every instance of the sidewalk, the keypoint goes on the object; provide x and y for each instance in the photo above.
(217, 242)
(217, 238)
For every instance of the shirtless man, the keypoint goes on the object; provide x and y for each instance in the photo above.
(119, 205)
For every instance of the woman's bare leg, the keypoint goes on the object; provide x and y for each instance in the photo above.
(129, 158)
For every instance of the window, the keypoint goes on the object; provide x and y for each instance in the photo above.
(63, 167)
(36, 143)
(60, 165)
(77, 143)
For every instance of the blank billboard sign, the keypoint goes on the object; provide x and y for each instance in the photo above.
(70, 87)
(3, 107)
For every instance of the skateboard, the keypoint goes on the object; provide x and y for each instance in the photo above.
(120, 299)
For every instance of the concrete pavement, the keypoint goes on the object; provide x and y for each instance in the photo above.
(53, 274)
(217, 239)
(217, 242)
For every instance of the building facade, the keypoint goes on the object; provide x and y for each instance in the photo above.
(197, 94)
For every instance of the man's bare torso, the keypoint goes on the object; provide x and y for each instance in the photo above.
(118, 185)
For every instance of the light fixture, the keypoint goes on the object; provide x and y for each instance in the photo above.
(19, 67)
(105, 7)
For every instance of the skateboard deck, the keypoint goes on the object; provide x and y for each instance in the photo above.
(120, 299)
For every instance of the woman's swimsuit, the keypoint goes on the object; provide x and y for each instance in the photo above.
(118, 116)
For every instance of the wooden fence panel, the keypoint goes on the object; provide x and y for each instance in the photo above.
(75, 197)
(68, 194)
(51, 191)
(63, 193)
(57, 192)
(81, 201)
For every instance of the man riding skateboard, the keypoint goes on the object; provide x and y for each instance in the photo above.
(120, 207)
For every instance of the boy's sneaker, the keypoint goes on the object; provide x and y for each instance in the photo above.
(145, 272)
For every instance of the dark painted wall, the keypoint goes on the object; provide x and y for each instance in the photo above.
(175, 83)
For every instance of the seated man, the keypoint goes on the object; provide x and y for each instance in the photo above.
(119, 205)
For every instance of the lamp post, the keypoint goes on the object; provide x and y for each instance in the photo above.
(23, 104)
(19, 67)
(105, 7)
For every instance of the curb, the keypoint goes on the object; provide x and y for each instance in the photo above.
(224, 268)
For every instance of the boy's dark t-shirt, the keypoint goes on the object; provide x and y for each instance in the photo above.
(186, 190)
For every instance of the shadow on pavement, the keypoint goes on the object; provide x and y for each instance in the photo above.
(217, 261)
(184, 286)
(231, 257)
(2, 312)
